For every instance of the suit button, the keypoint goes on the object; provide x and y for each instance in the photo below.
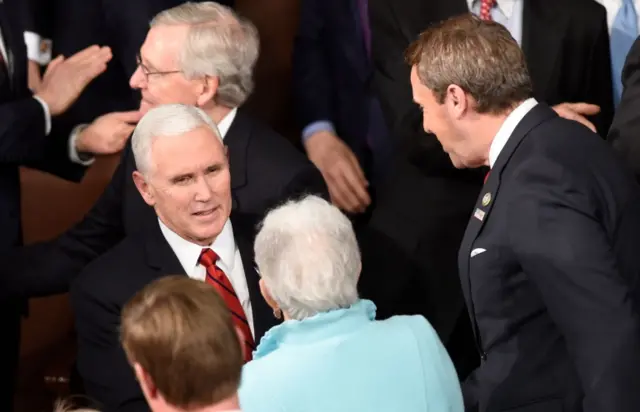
(483, 356)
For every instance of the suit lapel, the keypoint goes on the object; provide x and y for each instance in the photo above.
(542, 39)
(244, 229)
(159, 254)
(13, 43)
(485, 202)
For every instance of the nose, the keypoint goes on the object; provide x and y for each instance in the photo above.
(137, 79)
(203, 191)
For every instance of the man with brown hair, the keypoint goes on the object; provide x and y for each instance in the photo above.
(181, 342)
(548, 264)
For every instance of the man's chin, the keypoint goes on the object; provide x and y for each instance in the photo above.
(145, 107)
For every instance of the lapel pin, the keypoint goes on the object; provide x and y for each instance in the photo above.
(486, 199)
(478, 214)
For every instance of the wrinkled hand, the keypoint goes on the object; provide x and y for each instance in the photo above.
(108, 133)
(341, 171)
(577, 112)
(65, 79)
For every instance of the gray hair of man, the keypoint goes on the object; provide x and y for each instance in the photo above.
(219, 44)
(169, 120)
(308, 257)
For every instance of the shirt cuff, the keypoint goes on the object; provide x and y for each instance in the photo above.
(74, 156)
(38, 48)
(318, 126)
(47, 115)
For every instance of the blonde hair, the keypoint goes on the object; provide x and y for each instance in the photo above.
(180, 332)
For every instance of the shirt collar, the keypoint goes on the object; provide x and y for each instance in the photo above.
(188, 253)
(322, 326)
(507, 128)
(505, 6)
(225, 123)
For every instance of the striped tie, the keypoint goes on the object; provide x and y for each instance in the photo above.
(485, 9)
(217, 278)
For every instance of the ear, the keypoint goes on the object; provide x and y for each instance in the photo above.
(146, 383)
(207, 91)
(267, 296)
(457, 101)
(144, 188)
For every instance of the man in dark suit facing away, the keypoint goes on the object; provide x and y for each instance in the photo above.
(548, 263)
(183, 173)
(29, 137)
(201, 54)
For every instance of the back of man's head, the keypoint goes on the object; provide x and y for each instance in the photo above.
(481, 57)
(179, 337)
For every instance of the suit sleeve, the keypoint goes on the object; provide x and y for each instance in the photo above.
(597, 86)
(102, 363)
(312, 86)
(48, 268)
(624, 134)
(561, 245)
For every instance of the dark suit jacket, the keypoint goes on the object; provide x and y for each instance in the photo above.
(265, 170)
(425, 202)
(332, 71)
(624, 131)
(104, 287)
(550, 271)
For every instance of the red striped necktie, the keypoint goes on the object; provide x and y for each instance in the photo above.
(217, 278)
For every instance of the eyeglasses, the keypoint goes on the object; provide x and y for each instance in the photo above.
(148, 72)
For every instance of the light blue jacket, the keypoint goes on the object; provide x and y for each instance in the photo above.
(345, 360)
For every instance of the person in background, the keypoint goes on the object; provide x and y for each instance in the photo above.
(343, 130)
(330, 353)
(183, 347)
(548, 264)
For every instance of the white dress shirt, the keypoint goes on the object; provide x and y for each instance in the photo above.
(613, 6)
(507, 128)
(506, 12)
(230, 262)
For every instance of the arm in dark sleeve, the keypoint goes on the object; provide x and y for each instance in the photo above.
(312, 86)
(563, 249)
(48, 268)
(624, 134)
(597, 87)
(102, 363)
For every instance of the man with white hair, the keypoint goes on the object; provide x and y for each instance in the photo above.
(183, 174)
(200, 54)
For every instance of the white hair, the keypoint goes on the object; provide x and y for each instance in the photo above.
(219, 44)
(308, 256)
(169, 120)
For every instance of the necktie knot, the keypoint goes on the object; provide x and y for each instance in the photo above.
(208, 257)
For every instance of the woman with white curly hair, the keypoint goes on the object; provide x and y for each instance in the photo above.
(330, 353)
